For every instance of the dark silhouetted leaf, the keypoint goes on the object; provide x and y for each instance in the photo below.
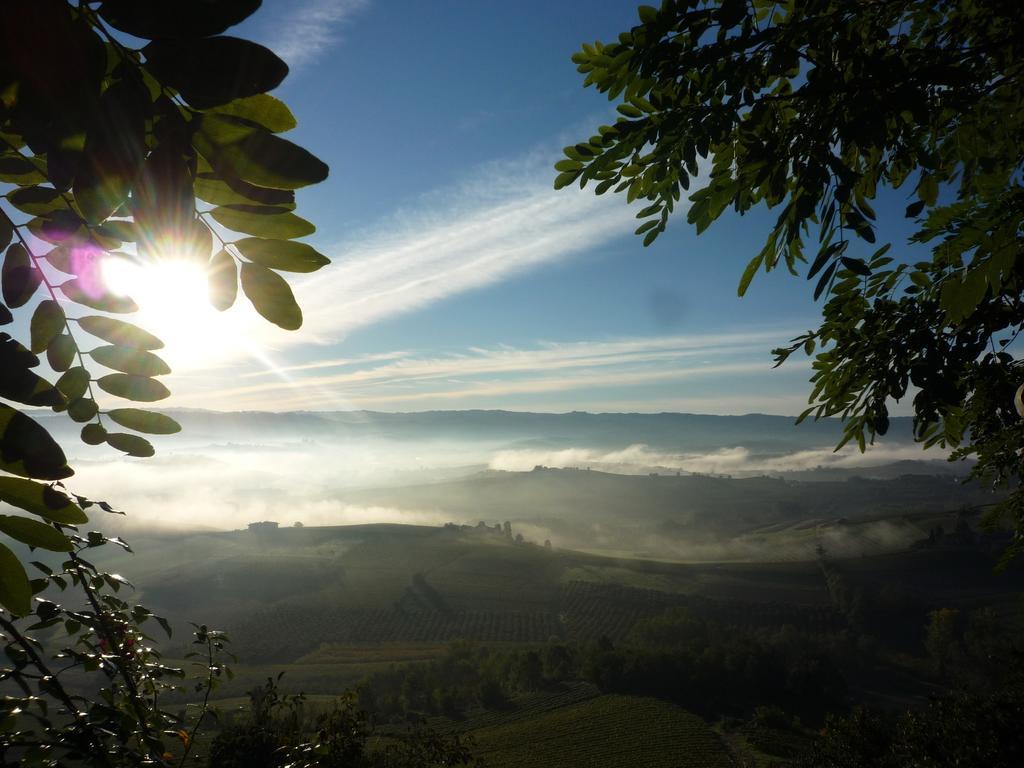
(36, 201)
(34, 533)
(222, 277)
(27, 449)
(144, 421)
(15, 590)
(128, 360)
(92, 293)
(857, 266)
(94, 434)
(275, 223)
(47, 323)
(83, 409)
(18, 382)
(42, 500)
(152, 19)
(138, 388)
(211, 71)
(119, 332)
(133, 445)
(20, 278)
(271, 296)
(281, 254)
(61, 352)
(73, 383)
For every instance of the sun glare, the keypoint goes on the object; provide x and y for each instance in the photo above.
(173, 305)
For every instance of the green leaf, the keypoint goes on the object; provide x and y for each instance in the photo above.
(18, 382)
(84, 291)
(61, 352)
(138, 388)
(152, 19)
(20, 170)
(6, 232)
(119, 332)
(94, 434)
(36, 201)
(281, 254)
(19, 278)
(256, 156)
(566, 178)
(857, 266)
(83, 409)
(232, 191)
(73, 383)
(34, 533)
(42, 500)
(749, 272)
(47, 322)
(271, 296)
(27, 449)
(15, 590)
(262, 109)
(128, 360)
(212, 71)
(133, 445)
(277, 223)
(144, 421)
(222, 280)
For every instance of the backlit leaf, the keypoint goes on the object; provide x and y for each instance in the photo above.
(271, 296)
(15, 590)
(128, 360)
(119, 332)
(61, 352)
(144, 421)
(139, 388)
(281, 254)
(269, 222)
(34, 533)
(222, 280)
(42, 500)
(273, 114)
(86, 291)
(47, 323)
(73, 383)
(133, 445)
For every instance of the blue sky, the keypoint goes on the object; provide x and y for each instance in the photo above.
(460, 279)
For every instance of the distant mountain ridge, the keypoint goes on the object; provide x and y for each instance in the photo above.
(685, 432)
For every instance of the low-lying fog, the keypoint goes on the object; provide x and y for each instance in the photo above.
(226, 470)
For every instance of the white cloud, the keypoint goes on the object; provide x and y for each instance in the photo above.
(309, 28)
(482, 376)
(504, 222)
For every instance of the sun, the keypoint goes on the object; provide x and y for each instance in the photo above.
(173, 304)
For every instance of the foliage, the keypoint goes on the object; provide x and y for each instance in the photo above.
(128, 130)
(954, 730)
(101, 669)
(149, 153)
(814, 108)
(279, 732)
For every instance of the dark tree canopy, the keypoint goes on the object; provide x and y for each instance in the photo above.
(812, 108)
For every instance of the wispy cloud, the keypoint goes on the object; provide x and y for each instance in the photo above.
(505, 221)
(484, 376)
(307, 29)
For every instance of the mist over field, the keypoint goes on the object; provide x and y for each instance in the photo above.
(225, 470)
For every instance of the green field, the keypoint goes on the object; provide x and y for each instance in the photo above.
(604, 732)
